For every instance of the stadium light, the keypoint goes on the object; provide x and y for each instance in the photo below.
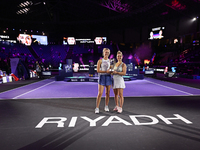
(26, 3)
(24, 7)
(194, 19)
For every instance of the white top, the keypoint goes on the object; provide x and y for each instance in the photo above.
(105, 65)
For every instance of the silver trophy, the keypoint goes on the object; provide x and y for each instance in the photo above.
(112, 64)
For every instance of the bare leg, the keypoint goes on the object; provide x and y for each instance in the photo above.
(121, 97)
(116, 96)
(107, 95)
(100, 92)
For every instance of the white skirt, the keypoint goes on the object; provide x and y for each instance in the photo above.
(118, 82)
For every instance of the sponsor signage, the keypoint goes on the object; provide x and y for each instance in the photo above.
(46, 73)
(149, 71)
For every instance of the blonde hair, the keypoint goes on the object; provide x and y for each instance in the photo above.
(119, 52)
(106, 49)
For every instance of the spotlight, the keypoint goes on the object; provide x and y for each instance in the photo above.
(194, 19)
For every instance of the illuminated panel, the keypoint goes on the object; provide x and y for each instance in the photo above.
(69, 41)
(100, 40)
(146, 61)
(156, 33)
(24, 39)
(74, 41)
(40, 39)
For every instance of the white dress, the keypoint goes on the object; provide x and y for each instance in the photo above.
(118, 80)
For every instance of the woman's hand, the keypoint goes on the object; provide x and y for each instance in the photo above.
(114, 72)
(108, 71)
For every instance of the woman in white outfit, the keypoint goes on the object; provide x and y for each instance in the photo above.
(118, 82)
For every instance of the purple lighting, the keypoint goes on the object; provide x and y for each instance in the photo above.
(130, 56)
(116, 5)
(176, 5)
(164, 13)
(81, 60)
(111, 56)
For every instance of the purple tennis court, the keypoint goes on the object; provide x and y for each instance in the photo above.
(49, 114)
(50, 88)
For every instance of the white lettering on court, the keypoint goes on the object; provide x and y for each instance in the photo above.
(93, 122)
(136, 122)
(119, 120)
(60, 121)
(166, 120)
(73, 122)
(45, 120)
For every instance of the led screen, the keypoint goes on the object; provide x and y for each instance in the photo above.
(40, 39)
(24, 39)
(156, 33)
(100, 40)
(74, 41)
(69, 41)
(29, 39)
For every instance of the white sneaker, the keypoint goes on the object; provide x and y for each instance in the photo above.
(116, 108)
(119, 110)
(106, 108)
(96, 110)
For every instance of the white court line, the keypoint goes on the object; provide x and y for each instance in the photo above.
(170, 88)
(179, 84)
(50, 98)
(22, 86)
(33, 90)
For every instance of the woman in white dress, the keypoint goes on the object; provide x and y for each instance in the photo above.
(118, 82)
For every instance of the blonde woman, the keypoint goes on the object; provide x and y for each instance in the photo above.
(103, 70)
(118, 82)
